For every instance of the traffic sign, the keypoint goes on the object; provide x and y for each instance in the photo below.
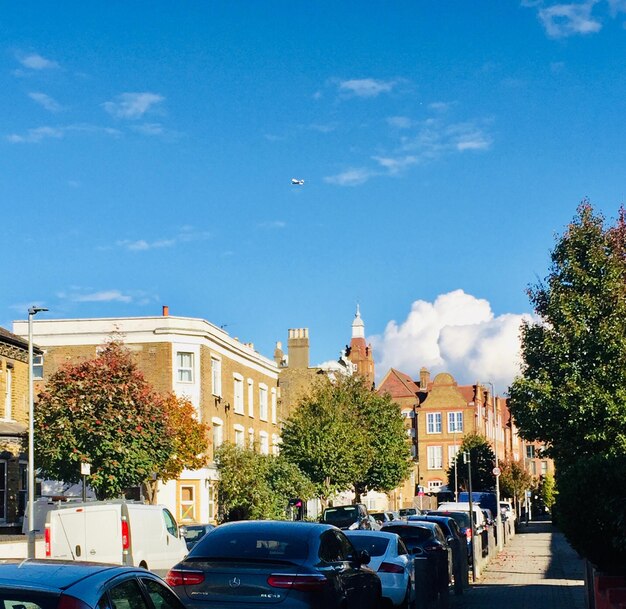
(496, 471)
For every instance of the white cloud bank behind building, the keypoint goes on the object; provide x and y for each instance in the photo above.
(457, 333)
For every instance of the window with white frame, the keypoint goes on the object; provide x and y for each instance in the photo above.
(275, 444)
(239, 437)
(184, 367)
(434, 486)
(530, 451)
(251, 437)
(211, 497)
(433, 422)
(544, 468)
(38, 367)
(264, 443)
(250, 398)
(238, 393)
(8, 396)
(453, 451)
(262, 402)
(455, 422)
(216, 376)
(218, 433)
(273, 404)
(435, 457)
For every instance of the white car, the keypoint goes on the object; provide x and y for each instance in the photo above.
(507, 510)
(391, 561)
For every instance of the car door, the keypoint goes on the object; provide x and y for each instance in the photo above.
(124, 593)
(362, 580)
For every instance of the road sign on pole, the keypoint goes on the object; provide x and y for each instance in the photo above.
(496, 471)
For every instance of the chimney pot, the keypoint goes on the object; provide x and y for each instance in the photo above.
(166, 311)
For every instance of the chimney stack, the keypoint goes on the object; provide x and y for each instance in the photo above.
(166, 311)
(424, 378)
(298, 348)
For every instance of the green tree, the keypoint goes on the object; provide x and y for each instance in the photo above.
(344, 436)
(324, 438)
(514, 481)
(483, 461)
(572, 391)
(547, 491)
(101, 411)
(255, 486)
(189, 442)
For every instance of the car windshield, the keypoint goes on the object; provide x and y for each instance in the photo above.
(27, 599)
(195, 532)
(250, 544)
(375, 546)
(410, 533)
(378, 515)
(408, 512)
(340, 516)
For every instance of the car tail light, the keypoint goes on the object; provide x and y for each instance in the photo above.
(178, 577)
(388, 567)
(297, 582)
(468, 534)
(71, 602)
(125, 534)
(46, 537)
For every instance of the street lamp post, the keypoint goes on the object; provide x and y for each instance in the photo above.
(499, 530)
(31, 432)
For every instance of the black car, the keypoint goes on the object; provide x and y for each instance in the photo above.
(295, 564)
(426, 539)
(347, 517)
(59, 584)
(457, 543)
(463, 520)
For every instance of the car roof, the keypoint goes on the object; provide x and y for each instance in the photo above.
(411, 523)
(51, 575)
(283, 526)
(361, 533)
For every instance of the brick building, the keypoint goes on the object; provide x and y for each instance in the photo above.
(14, 425)
(233, 388)
(438, 413)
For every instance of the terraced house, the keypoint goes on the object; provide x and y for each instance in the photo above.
(14, 425)
(233, 387)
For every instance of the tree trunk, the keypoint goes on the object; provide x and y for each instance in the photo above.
(359, 489)
(150, 488)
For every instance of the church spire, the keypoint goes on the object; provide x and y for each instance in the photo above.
(358, 327)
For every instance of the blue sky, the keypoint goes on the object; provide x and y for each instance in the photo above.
(148, 148)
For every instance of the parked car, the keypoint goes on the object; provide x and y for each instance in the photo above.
(294, 564)
(347, 517)
(56, 584)
(121, 533)
(392, 562)
(404, 512)
(193, 533)
(427, 539)
(507, 511)
(462, 506)
(374, 525)
(486, 499)
(463, 520)
(457, 541)
(382, 517)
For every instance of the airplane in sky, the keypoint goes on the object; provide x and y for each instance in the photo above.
(297, 182)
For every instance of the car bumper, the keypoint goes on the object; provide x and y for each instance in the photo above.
(394, 586)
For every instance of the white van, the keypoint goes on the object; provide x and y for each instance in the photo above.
(463, 506)
(115, 532)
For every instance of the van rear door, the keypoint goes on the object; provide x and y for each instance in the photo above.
(103, 539)
(67, 534)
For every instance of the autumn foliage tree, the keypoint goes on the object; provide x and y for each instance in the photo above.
(102, 411)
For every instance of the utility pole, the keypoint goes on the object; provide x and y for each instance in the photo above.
(499, 531)
(468, 459)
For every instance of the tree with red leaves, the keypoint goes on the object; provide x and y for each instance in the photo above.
(103, 411)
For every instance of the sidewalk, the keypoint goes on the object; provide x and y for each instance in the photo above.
(536, 570)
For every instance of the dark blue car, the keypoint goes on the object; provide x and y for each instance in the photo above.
(299, 565)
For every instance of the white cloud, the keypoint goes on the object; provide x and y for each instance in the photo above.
(366, 87)
(34, 61)
(103, 296)
(273, 224)
(38, 134)
(457, 333)
(150, 128)
(396, 165)
(45, 101)
(440, 106)
(617, 6)
(350, 177)
(562, 20)
(186, 234)
(133, 105)
(399, 122)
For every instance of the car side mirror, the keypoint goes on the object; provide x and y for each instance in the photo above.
(363, 557)
(450, 539)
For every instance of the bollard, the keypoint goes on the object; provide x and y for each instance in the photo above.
(425, 588)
